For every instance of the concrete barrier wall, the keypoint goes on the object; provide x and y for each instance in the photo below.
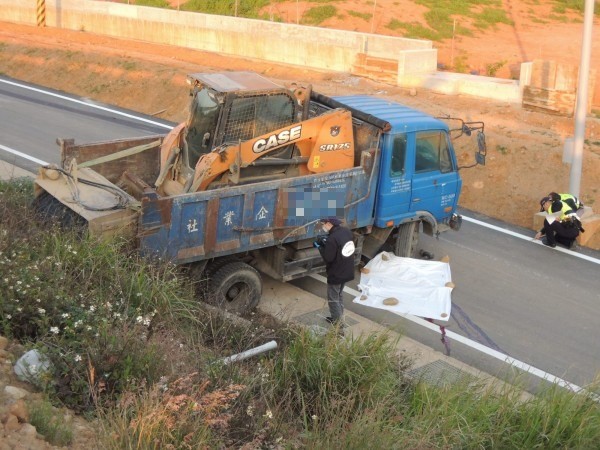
(314, 47)
(319, 48)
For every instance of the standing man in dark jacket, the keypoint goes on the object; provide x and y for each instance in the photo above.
(338, 252)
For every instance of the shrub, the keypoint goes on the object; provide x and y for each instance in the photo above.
(50, 423)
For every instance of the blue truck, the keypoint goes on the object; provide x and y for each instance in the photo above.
(239, 187)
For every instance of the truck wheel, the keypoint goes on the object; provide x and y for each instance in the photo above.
(236, 287)
(214, 266)
(407, 240)
(48, 208)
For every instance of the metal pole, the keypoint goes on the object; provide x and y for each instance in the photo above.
(373, 16)
(582, 99)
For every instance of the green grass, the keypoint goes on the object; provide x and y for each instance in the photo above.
(364, 16)
(132, 347)
(245, 8)
(153, 3)
(50, 423)
(318, 15)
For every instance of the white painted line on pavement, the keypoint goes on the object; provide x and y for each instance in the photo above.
(23, 155)
(529, 238)
(91, 105)
(476, 345)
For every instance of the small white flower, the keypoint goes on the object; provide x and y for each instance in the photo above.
(250, 410)
(19, 309)
(147, 322)
(139, 319)
(139, 294)
(88, 328)
(42, 311)
(314, 417)
(8, 316)
(54, 330)
(65, 315)
(77, 358)
(269, 414)
(38, 300)
(92, 308)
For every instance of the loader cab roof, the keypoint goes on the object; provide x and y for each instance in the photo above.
(234, 82)
(402, 118)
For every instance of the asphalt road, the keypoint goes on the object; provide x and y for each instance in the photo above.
(32, 117)
(513, 296)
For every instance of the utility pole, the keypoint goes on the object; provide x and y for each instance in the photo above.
(582, 99)
(373, 16)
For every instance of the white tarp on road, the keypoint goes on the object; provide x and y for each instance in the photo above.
(422, 288)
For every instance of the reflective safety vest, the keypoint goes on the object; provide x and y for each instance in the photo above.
(571, 200)
(566, 211)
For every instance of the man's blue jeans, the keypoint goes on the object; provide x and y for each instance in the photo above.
(335, 300)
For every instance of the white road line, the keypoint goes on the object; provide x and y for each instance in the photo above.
(23, 155)
(476, 345)
(529, 238)
(91, 105)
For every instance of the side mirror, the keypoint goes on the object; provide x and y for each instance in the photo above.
(482, 149)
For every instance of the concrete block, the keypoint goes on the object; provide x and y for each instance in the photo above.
(411, 62)
(591, 237)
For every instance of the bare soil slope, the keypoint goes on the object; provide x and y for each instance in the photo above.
(524, 148)
(536, 31)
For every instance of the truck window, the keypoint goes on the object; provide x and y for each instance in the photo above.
(398, 155)
(203, 117)
(433, 153)
(253, 116)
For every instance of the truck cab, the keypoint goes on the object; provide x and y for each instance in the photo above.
(418, 179)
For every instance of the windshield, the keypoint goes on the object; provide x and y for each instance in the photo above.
(202, 122)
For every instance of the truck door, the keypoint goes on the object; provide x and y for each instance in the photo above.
(435, 182)
(394, 187)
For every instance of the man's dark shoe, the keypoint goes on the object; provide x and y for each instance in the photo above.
(545, 242)
(334, 322)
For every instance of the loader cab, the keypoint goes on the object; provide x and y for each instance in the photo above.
(231, 107)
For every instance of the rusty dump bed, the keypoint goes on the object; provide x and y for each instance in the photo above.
(98, 181)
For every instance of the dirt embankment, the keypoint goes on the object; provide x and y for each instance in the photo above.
(524, 148)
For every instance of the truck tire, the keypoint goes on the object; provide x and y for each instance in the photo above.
(214, 266)
(236, 287)
(49, 209)
(407, 240)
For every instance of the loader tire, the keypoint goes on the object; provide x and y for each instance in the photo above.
(407, 240)
(49, 209)
(236, 287)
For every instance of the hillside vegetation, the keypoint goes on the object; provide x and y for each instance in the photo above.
(129, 344)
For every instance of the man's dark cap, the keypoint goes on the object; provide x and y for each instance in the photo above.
(332, 220)
(542, 201)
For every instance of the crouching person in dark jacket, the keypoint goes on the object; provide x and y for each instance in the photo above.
(338, 252)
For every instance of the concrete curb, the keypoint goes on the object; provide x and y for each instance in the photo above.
(289, 303)
(9, 172)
